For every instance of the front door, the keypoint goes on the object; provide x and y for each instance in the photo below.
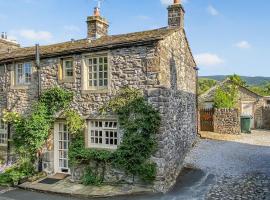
(248, 109)
(61, 144)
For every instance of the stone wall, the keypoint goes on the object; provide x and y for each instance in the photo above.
(177, 132)
(266, 117)
(227, 121)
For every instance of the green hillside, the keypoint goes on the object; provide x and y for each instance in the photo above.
(252, 81)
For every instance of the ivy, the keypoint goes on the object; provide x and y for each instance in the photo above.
(32, 130)
(139, 122)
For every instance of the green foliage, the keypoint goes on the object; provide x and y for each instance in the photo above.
(263, 90)
(23, 169)
(74, 121)
(237, 80)
(140, 122)
(32, 131)
(90, 178)
(226, 96)
(56, 99)
(205, 84)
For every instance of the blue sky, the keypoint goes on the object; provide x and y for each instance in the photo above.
(226, 36)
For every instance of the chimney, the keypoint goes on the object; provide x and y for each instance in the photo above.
(97, 26)
(176, 14)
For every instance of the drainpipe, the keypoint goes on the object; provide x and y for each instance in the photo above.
(38, 69)
(197, 97)
(8, 125)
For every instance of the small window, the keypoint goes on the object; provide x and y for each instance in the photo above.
(103, 134)
(3, 133)
(268, 102)
(23, 73)
(68, 71)
(98, 72)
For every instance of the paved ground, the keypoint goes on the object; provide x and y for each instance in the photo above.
(237, 169)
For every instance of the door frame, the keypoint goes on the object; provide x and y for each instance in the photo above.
(56, 148)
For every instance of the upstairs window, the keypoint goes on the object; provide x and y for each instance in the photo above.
(23, 73)
(68, 69)
(103, 134)
(3, 133)
(97, 72)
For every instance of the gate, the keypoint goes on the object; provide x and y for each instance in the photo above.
(207, 120)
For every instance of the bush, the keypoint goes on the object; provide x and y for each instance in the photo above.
(90, 178)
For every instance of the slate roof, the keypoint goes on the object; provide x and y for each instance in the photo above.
(85, 45)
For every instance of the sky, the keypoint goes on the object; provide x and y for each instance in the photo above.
(226, 36)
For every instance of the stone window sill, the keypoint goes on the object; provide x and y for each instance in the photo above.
(3, 145)
(68, 80)
(20, 87)
(99, 91)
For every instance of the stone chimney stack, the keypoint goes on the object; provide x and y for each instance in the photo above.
(176, 15)
(97, 26)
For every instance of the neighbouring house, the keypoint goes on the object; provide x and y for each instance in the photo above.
(267, 100)
(249, 103)
(7, 45)
(159, 62)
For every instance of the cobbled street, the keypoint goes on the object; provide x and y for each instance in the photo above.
(216, 170)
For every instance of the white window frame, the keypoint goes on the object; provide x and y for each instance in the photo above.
(103, 134)
(24, 80)
(97, 72)
(3, 133)
(64, 74)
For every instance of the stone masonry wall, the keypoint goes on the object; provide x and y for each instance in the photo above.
(227, 121)
(177, 132)
(266, 117)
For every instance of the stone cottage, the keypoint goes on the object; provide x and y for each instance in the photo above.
(159, 62)
(249, 103)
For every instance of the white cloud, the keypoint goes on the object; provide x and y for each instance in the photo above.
(34, 35)
(212, 10)
(208, 59)
(170, 2)
(72, 28)
(243, 45)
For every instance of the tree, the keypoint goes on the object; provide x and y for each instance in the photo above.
(205, 84)
(226, 96)
(236, 79)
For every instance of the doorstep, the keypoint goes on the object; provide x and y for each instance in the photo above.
(66, 187)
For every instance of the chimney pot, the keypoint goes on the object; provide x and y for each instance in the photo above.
(96, 12)
(176, 2)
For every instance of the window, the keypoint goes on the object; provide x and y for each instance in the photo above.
(103, 134)
(23, 73)
(67, 69)
(3, 133)
(268, 102)
(98, 72)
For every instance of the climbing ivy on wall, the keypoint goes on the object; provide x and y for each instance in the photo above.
(32, 130)
(139, 122)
